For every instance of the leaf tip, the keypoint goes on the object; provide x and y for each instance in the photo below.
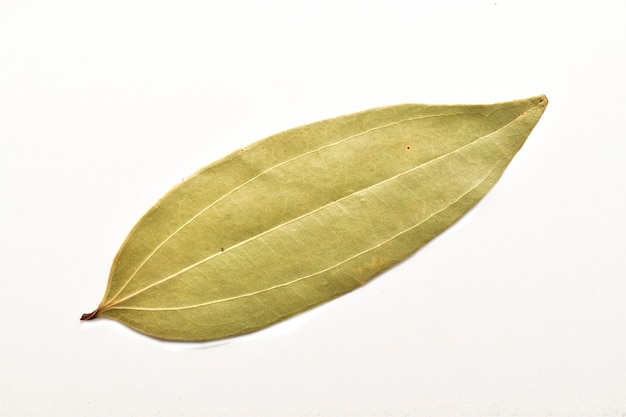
(90, 316)
(542, 100)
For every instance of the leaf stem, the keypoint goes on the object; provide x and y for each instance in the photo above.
(90, 316)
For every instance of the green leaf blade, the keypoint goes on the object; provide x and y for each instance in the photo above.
(307, 215)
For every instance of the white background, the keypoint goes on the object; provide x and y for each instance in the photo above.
(517, 310)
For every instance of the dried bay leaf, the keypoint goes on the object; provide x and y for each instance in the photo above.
(306, 215)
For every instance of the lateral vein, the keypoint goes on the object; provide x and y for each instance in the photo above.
(185, 224)
(330, 268)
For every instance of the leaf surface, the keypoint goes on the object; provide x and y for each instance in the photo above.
(306, 215)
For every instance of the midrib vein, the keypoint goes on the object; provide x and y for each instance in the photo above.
(181, 227)
(330, 268)
(421, 166)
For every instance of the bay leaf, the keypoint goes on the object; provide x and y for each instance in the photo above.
(307, 215)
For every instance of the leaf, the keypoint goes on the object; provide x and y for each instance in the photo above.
(306, 215)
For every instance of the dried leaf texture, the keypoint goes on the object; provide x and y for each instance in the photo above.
(307, 215)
